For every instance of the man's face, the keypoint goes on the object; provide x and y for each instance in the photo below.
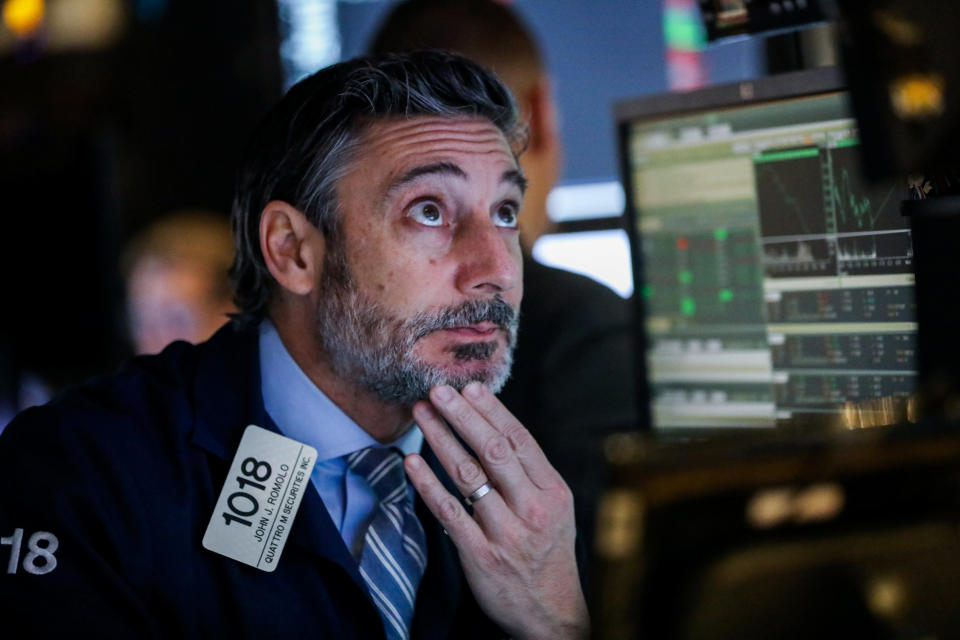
(423, 285)
(171, 300)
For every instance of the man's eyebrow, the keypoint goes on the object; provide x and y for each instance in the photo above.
(516, 177)
(434, 168)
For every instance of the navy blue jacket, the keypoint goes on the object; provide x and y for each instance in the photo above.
(125, 472)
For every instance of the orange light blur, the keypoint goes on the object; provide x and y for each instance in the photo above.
(918, 96)
(23, 17)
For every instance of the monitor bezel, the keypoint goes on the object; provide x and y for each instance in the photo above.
(655, 107)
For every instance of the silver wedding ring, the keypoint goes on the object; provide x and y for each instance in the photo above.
(483, 490)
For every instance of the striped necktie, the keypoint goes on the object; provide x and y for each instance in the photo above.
(394, 551)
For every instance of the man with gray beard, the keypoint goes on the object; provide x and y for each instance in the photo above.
(366, 344)
(333, 462)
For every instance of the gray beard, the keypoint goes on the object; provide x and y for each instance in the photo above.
(375, 350)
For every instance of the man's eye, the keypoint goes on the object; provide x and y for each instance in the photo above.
(427, 213)
(506, 215)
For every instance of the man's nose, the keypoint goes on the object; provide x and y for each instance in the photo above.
(489, 258)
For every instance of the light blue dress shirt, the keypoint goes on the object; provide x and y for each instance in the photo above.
(302, 412)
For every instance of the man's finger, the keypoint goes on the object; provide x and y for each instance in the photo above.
(528, 452)
(463, 468)
(492, 448)
(452, 515)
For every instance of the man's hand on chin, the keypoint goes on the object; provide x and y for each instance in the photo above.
(517, 549)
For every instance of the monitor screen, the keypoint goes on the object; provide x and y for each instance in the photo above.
(775, 284)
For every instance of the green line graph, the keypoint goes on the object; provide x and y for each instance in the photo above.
(858, 205)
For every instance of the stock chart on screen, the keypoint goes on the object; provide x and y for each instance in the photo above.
(776, 282)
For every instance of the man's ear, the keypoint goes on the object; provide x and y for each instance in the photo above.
(292, 247)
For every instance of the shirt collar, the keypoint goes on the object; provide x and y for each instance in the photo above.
(304, 413)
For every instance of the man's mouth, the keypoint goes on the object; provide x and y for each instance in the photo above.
(479, 331)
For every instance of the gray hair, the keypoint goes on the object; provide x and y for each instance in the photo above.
(304, 145)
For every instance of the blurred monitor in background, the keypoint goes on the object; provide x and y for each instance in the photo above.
(776, 283)
(176, 280)
(572, 381)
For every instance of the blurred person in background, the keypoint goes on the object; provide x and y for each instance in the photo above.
(177, 288)
(573, 381)
(176, 280)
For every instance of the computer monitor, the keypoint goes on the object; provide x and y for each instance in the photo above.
(773, 283)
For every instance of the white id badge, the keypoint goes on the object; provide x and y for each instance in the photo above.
(260, 498)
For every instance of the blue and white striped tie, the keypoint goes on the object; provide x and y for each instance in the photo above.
(394, 551)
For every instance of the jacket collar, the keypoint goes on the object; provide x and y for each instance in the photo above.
(226, 390)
